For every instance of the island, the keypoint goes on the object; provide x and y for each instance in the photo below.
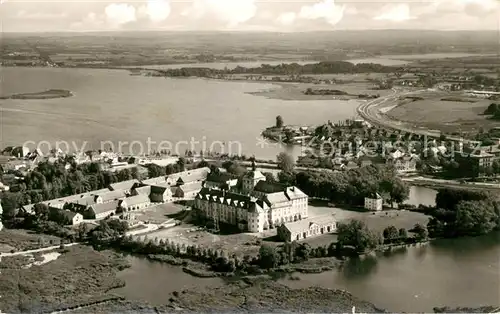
(48, 94)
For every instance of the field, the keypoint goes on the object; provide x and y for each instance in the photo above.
(447, 116)
(188, 234)
(159, 213)
(78, 275)
(20, 240)
(295, 91)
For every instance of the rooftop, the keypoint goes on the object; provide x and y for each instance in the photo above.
(125, 185)
(112, 195)
(136, 200)
(105, 208)
(305, 224)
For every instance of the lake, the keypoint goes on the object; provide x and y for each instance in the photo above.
(461, 272)
(111, 105)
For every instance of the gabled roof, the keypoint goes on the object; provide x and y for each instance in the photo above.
(136, 200)
(275, 198)
(306, 224)
(374, 196)
(154, 181)
(199, 174)
(146, 190)
(124, 185)
(112, 195)
(294, 192)
(86, 200)
(105, 207)
(192, 186)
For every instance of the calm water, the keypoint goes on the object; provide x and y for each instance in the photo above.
(421, 195)
(460, 272)
(115, 106)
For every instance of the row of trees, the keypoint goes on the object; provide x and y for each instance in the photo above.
(332, 67)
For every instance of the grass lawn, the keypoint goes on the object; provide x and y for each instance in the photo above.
(21, 240)
(448, 116)
(240, 243)
(160, 213)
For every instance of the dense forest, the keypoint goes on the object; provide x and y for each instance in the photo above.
(464, 213)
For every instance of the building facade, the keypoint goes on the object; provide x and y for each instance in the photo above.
(374, 202)
(252, 213)
(307, 228)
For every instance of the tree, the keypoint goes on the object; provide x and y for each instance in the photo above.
(403, 234)
(279, 122)
(268, 258)
(420, 232)
(285, 162)
(181, 162)
(390, 234)
(475, 217)
(269, 177)
(356, 234)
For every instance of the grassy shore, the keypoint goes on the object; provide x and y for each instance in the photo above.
(13, 240)
(48, 94)
(79, 275)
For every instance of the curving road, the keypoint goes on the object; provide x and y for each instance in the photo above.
(370, 111)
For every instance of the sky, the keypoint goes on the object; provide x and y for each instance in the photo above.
(247, 15)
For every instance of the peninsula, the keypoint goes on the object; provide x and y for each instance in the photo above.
(48, 94)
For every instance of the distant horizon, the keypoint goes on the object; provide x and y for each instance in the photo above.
(257, 31)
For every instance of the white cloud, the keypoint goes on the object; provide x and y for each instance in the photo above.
(156, 10)
(287, 18)
(327, 9)
(120, 13)
(40, 15)
(231, 12)
(397, 13)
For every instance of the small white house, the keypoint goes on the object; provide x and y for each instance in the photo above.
(374, 202)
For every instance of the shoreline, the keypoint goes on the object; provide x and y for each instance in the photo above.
(47, 94)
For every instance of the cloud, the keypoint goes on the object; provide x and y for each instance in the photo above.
(156, 10)
(397, 13)
(327, 10)
(120, 13)
(40, 15)
(286, 18)
(231, 12)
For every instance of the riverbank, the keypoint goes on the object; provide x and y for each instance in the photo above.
(48, 94)
(201, 270)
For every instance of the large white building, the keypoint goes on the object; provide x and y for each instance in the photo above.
(260, 206)
(374, 202)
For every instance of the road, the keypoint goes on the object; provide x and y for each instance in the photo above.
(451, 184)
(49, 248)
(370, 111)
